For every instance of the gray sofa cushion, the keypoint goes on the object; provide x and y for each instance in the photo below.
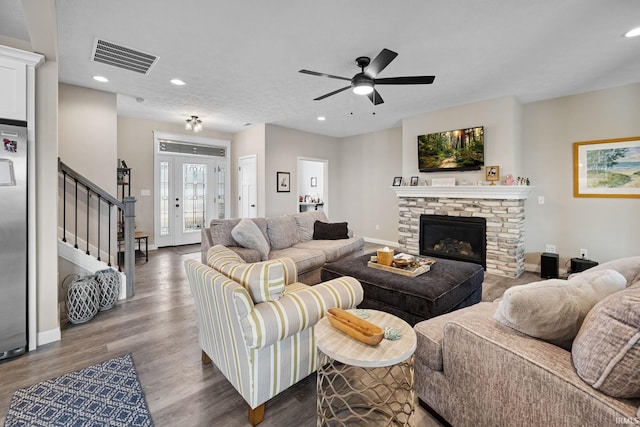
(305, 221)
(333, 249)
(282, 231)
(305, 259)
(221, 231)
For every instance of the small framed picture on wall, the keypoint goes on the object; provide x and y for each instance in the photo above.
(283, 182)
(314, 181)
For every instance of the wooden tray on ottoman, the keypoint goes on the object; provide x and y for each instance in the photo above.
(425, 265)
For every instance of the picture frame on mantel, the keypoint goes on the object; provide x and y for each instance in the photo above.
(492, 174)
(607, 168)
(397, 181)
(283, 182)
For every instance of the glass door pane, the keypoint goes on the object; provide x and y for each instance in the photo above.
(222, 170)
(165, 225)
(194, 196)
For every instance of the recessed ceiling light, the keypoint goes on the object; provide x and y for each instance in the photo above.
(633, 33)
(322, 118)
(100, 79)
(178, 82)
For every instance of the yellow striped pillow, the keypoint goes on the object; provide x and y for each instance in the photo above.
(265, 281)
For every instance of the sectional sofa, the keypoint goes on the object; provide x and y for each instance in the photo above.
(287, 236)
(504, 363)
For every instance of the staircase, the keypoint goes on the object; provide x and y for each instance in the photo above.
(96, 230)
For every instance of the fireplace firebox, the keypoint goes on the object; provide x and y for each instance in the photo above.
(452, 237)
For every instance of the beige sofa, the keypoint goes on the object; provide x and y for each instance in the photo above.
(288, 236)
(472, 370)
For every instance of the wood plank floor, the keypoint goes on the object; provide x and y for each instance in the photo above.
(158, 327)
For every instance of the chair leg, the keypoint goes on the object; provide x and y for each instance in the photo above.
(256, 415)
(205, 358)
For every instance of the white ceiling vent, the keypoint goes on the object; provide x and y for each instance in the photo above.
(123, 57)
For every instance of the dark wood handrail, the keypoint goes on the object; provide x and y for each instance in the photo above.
(90, 185)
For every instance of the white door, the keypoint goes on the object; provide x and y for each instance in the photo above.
(247, 187)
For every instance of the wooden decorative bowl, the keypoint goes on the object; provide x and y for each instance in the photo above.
(355, 327)
(401, 262)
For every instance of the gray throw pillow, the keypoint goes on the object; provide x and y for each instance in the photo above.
(248, 235)
(553, 310)
(282, 231)
(606, 351)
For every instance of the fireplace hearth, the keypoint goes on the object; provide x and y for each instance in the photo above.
(457, 238)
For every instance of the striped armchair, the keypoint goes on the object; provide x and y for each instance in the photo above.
(256, 322)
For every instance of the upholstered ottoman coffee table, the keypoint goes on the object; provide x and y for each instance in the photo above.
(448, 286)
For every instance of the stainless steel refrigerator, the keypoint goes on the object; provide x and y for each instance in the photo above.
(13, 238)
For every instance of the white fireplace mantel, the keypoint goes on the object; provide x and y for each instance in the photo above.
(498, 192)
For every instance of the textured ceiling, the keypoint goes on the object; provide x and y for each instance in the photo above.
(240, 59)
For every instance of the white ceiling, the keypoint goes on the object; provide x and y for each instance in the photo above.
(240, 59)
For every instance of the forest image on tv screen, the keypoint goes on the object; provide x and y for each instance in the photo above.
(461, 149)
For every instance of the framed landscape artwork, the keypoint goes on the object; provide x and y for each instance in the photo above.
(607, 168)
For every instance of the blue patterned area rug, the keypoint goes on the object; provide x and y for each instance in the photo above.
(106, 394)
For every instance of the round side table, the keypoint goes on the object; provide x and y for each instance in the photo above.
(359, 384)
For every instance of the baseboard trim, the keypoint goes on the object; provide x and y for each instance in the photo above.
(381, 242)
(46, 337)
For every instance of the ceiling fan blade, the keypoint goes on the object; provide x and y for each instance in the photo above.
(381, 61)
(375, 97)
(315, 73)
(408, 80)
(326, 95)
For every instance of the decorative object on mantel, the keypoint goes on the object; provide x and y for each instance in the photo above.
(414, 180)
(397, 181)
(607, 168)
(508, 180)
(492, 174)
(523, 181)
(443, 182)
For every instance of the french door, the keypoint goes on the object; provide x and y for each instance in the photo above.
(191, 190)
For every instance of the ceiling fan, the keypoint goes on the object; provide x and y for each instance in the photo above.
(363, 83)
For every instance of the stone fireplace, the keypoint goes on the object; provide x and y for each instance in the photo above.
(501, 207)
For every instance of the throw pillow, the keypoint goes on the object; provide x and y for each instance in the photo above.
(553, 310)
(306, 220)
(629, 267)
(282, 231)
(248, 235)
(606, 351)
(330, 231)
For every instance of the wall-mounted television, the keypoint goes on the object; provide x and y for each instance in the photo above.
(454, 150)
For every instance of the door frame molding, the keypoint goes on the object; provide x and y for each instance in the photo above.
(190, 139)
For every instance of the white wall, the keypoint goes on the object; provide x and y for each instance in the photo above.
(283, 146)
(308, 169)
(606, 227)
(501, 120)
(365, 199)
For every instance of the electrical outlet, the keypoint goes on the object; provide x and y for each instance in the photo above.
(584, 253)
(541, 200)
(550, 248)
(377, 227)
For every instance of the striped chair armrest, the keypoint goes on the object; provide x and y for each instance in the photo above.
(271, 322)
(264, 280)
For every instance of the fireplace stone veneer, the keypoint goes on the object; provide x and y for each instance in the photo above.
(503, 211)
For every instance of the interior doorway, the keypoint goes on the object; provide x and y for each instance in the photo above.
(313, 185)
(248, 186)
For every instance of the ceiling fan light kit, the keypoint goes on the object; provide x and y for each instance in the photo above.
(364, 82)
